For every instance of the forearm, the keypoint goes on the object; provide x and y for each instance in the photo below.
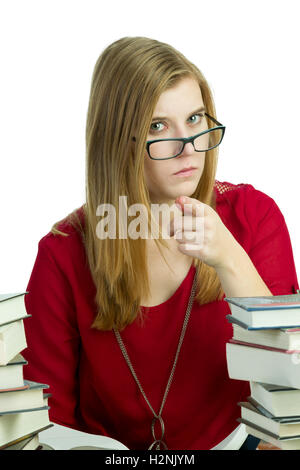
(239, 277)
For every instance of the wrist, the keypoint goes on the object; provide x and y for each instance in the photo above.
(238, 275)
(233, 254)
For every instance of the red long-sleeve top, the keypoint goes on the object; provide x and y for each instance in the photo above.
(92, 387)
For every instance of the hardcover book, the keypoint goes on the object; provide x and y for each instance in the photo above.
(269, 311)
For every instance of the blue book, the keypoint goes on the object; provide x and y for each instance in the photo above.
(278, 311)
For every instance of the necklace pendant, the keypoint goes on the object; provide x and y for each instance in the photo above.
(158, 445)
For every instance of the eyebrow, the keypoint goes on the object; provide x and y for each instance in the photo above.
(165, 118)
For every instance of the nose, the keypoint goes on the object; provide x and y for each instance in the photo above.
(188, 149)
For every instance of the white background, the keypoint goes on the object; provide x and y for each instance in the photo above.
(248, 51)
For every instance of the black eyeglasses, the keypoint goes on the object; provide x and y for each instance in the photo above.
(164, 149)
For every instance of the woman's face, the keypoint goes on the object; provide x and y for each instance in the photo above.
(179, 113)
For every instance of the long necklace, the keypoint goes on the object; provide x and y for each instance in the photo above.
(157, 417)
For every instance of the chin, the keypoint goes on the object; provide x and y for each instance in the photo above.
(188, 188)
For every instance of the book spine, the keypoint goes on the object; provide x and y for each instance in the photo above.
(260, 346)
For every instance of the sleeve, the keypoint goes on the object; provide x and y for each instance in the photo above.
(53, 341)
(271, 251)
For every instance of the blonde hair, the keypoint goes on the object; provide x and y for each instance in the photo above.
(128, 79)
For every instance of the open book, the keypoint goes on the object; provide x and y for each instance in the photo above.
(63, 438)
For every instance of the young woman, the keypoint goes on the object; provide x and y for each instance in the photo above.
(128, 331)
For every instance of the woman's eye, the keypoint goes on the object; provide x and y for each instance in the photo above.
(155, 126)
(196, 118)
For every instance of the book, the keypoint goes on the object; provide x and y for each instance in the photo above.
(15, 401)
(286, 428)
(16, 425)
(25, 409)
(279, 401)
(266, 311)
(11, 375)
(282, 443)
(19, 440)
(12, 341)
(265, 412)
(27, 443)
(261, 364)
(12, 307)
(65, 438)
(60, 437)
(23, 403)
(280, 338)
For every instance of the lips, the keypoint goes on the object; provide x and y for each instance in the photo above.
(185, 169)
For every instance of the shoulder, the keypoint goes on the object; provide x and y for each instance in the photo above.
(242, 196)
(66, 241)
(242, 207)
(233, 192)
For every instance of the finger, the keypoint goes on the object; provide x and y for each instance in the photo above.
(190, 248)
(191, 206)
(190, 236)
(186, 223)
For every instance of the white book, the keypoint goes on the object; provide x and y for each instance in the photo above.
(12, 341)
(278, 400)
(11, 375)
(12, 307)
(282, 338)
(250, 414)
(15, 426)
(14, 401)
(64, 438)
(263, 365)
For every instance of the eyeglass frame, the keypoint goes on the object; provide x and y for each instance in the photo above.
(187, 140)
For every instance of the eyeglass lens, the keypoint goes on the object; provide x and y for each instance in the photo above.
(170, 148)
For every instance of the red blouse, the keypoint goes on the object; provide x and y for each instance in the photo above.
(92, 387)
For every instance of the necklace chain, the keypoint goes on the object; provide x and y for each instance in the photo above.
(158, 442)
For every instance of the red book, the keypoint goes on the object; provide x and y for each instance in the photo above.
(260, 346)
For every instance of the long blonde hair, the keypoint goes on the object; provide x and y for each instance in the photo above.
(128, 79)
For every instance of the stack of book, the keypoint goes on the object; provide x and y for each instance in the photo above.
(23, 404)
(265, 350)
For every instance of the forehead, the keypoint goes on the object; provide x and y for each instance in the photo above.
(183, 97)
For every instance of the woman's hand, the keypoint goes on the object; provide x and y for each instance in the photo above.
(203, 234)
